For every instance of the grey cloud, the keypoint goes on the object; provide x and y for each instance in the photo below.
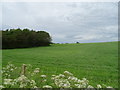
(66, 22)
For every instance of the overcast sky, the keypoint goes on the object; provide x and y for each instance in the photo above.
(67, 22)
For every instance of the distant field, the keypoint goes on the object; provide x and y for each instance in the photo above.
(98, 62)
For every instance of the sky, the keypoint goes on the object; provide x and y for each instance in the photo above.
(66, 22)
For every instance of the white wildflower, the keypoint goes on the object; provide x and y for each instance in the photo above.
(52, 78)
(74, 79)
(66, 85)
(35, 87)
(99, 86)
(53, 75)
(85, 80)
(79, 81)
(89, 86)
(11, 69)
(43, 76)
(37, 70)
(22, 78)
(70, 78)
(84, 85)
(1, 86)
(60, 84)
(33, 83)
(78, 86)
(7, 81)
(67, 73)
(47, 86)
(23, 85)
(109, 87)
(57, 77)
(61, 75)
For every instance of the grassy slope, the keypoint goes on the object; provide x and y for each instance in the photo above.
(98, 62)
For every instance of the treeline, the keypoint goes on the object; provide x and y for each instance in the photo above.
(24, 38)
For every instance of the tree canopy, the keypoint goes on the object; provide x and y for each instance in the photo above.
(23, 38)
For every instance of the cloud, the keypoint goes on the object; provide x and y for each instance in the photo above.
(0, 16)
(65, 21)
(60, 0)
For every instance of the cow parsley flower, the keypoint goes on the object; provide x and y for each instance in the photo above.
(1, 86)
(99, 86)
(67, 73)
(109, 87)
(43, 76)
(35, 87)
(22, 78)
(89, 86)
(47, 86)
(37, 70)
(7, 81)
(33, 83)
(61, 75)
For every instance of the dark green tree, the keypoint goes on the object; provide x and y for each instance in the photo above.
(18, 38)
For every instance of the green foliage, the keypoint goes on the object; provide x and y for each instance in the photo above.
(98, 62)
(17, 38)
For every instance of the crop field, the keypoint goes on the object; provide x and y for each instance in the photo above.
(98, 62)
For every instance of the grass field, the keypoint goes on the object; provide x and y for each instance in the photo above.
(98, 62)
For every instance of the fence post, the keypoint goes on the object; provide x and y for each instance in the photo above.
(23, 69)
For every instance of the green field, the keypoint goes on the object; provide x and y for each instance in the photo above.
(98, 62)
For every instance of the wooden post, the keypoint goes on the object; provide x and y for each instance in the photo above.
(23, 69)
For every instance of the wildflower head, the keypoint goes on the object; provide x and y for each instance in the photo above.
(37, 70)
(7, 81)
(99, 86)
(47, 86)
(43, 76)
(67, 73)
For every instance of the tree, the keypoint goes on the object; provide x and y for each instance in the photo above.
(18, 38)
